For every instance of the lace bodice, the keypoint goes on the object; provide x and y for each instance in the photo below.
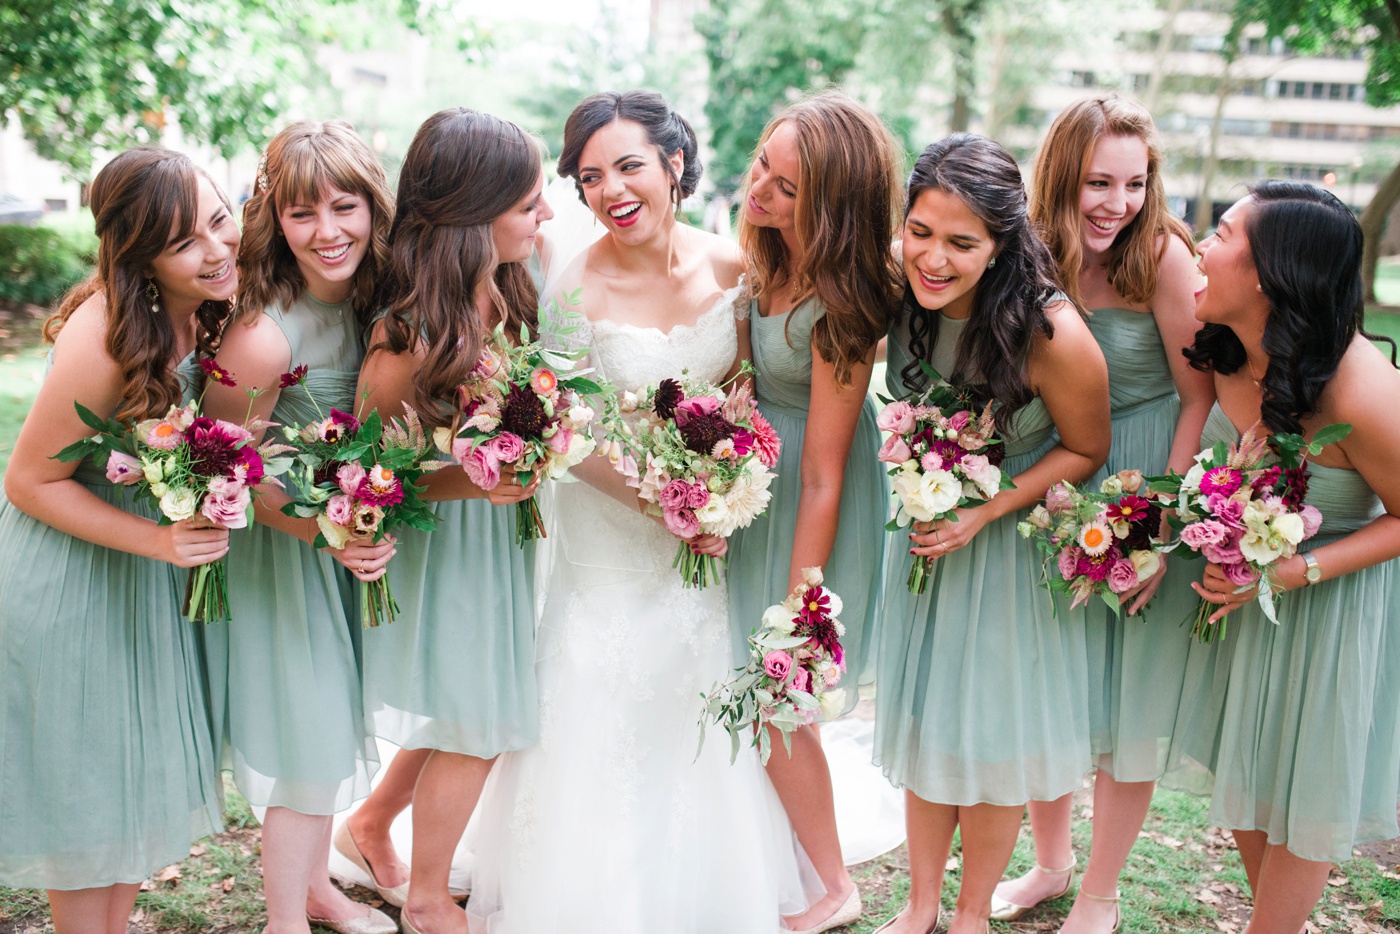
(631, 357)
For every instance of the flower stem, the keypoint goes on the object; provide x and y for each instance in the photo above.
(919, 574)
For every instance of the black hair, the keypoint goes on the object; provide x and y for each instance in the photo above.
(1008, 306)
(667, 130)
(1306, 247)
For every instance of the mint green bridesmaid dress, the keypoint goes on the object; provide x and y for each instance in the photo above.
(284, 673)
(980, 686)
(759, 556)
(1300, 722)
(107, 764)
(1136, 663)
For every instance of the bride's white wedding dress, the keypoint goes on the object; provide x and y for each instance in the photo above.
(611, 824)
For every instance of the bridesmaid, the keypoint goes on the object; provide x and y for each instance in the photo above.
(1301, 721)
(817, 222)
(106, 757)
(1098, 198)
(981, 702)
(284, 675)
(452, 681)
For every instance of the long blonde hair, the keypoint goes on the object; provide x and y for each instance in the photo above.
(1060, 167)
(300, 166)
(137, 200)
(849, 193)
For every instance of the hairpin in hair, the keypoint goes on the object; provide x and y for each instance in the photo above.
(263, 183)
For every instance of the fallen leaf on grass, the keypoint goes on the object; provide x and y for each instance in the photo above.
(199, 849)
(1337, 881)
(170, 873)
(227, 884)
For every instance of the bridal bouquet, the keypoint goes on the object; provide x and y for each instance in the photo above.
(190, 465)
(708, 461)
(1241, 506)
(795, 664)
(1102, 544)
(945, 456)
(522, 410)
(359, 479)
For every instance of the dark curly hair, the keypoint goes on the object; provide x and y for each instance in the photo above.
(1306, 248)
(1008, 308)
(667, 130)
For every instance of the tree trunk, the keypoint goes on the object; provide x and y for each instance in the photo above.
(1159, 56)
(959, 22)
(1373, 227)
(1204, 202)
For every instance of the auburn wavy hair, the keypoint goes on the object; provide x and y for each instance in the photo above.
(847, 207)
(463, 170)
(1061, 167)
(302, 164)
(141, 201)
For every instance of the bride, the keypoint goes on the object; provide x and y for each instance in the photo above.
(611, 823)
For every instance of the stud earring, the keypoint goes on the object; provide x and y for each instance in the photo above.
(991, 262)
(153, 294)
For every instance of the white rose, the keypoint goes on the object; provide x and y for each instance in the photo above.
(178, 504)
(1192, 481)
(1257, 546)
(832, 703)
(715, 517)
(1289, 527)
(1257, 516)
(1113, 486)
(628, 403)
(1146, 563)
(578, 416)
(580, 446)
(778, 618)
(940, 491)
(153, 471)
(907, 487)
(812, 576)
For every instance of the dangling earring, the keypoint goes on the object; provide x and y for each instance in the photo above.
(991, 262)
(153, 294)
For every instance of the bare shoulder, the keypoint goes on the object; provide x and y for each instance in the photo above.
(1365, 387)
(1174, 257)
(1067, 322)
(722, 254)
(82, 341)
(256, 347)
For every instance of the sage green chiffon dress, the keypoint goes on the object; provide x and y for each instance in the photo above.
(759, 556)
(1136, 663)
(107, 764)
(456, 669)
(1300, 722)
(284, 673)
(980, 684)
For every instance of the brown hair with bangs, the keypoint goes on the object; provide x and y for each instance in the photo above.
(301, 166)
(849, 193)
(463, 170)
(1060, 169)
(142, 201)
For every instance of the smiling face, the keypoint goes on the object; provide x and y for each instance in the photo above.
(946, 251)
(328, 239)
(1231, 294)
(200, 267)
(1113, 190)
(772, 200)
(514, 231)
(625, 183)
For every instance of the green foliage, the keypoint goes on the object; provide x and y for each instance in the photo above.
(39, 264)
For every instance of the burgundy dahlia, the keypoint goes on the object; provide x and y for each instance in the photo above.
(668, 395)
(523, 413)
(701, 432)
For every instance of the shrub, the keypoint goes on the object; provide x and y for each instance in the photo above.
(39, 264)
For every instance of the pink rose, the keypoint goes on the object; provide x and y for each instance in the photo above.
(802, 679)
(559, 441)
(226, 486)
(959, 420)
(349, 477)
(777, 664)
(897, 417)
(894, 450)
(1122, 576)
(1227, 552)
(696, 496)
(1068, 563)
(340, 510)
(1312, 519)
(126, 470)
(1206, 532)
(674, 495)
(1227, 510)
(228, 511)
(508, 447)
(698, 405)
(681, 522)
(1240, 574)
(1057, 499)
(483, 467)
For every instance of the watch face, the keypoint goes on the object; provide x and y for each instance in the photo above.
(1313, 574)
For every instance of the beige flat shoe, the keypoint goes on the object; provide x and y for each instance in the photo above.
(345, 845)
(376, 922)
(408, 926)
(1003, 910)
(848, 913)
(890, 923)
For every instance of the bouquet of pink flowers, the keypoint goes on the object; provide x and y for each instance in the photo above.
(795, 665)
(1241, 506)
(1102, 544)
(945, 456)
(190, 465)
(522, 410)
(359, 479)
(708, 460)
